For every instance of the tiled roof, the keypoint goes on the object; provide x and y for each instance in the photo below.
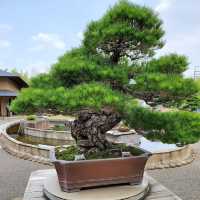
(14, 77)
(6, 74)
(6, 93)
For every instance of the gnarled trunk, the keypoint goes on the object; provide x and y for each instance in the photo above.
(89, 130)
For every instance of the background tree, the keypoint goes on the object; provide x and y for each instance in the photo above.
(23, 74)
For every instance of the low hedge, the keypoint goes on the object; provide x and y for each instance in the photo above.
(169, 127)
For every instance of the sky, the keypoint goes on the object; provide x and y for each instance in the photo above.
(34, 33)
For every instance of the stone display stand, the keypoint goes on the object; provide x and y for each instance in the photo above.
(53, 192)
(39, 182)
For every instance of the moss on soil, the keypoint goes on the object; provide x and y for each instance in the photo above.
(69, 153)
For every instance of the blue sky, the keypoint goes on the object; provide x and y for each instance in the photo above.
(34, 33)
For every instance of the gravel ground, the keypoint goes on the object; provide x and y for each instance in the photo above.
(14, 175)
(183, 181)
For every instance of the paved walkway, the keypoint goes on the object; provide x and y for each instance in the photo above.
(184, 181)
(14, 174)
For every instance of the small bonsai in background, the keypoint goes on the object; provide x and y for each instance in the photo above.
(31, 117)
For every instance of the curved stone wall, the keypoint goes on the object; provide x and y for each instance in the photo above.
(49, 134)
(175, 158)
(22, 150)
(159, 160)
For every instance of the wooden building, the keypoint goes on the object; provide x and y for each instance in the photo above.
(10, 85)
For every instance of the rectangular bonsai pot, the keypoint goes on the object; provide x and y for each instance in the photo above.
(75, 175)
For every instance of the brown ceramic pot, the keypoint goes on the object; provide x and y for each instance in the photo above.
(75, 175)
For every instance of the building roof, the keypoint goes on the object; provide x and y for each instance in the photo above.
(6, 93)
(17, 79)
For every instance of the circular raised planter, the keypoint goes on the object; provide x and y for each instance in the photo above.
(23, 150)
(133, 192)
(41, 128)
(49, 134)
(172, 158)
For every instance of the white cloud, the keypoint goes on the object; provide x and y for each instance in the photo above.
(4, 44)
(80, 35)
(163, 5)
(48, 41)
(4, 28)
(37, 67)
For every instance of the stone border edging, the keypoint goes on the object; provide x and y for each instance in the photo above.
(159, 160)
(169, 159)
(22, 150)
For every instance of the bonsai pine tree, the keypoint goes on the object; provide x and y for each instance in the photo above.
(92, 81)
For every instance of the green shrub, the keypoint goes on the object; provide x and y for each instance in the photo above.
(59, 128)
(31, 117)
(67, 154)
(170, 127)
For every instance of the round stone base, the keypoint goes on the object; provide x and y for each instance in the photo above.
(137, 192)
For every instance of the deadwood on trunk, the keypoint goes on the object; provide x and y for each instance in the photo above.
(89, 129)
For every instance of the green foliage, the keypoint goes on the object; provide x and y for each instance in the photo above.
(162, 78)
(168, 87)
(67, 154)
(171, 127)
(127, 30)
(89, 76)
(42, 81)
(191, 103)
(31, 117)
(23, 74)
(59, 127)
(115, 151)
(75, 67)
(169, 64)
(93, 95)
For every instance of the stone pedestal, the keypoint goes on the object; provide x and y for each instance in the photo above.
(136, 192)
(35, 188)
